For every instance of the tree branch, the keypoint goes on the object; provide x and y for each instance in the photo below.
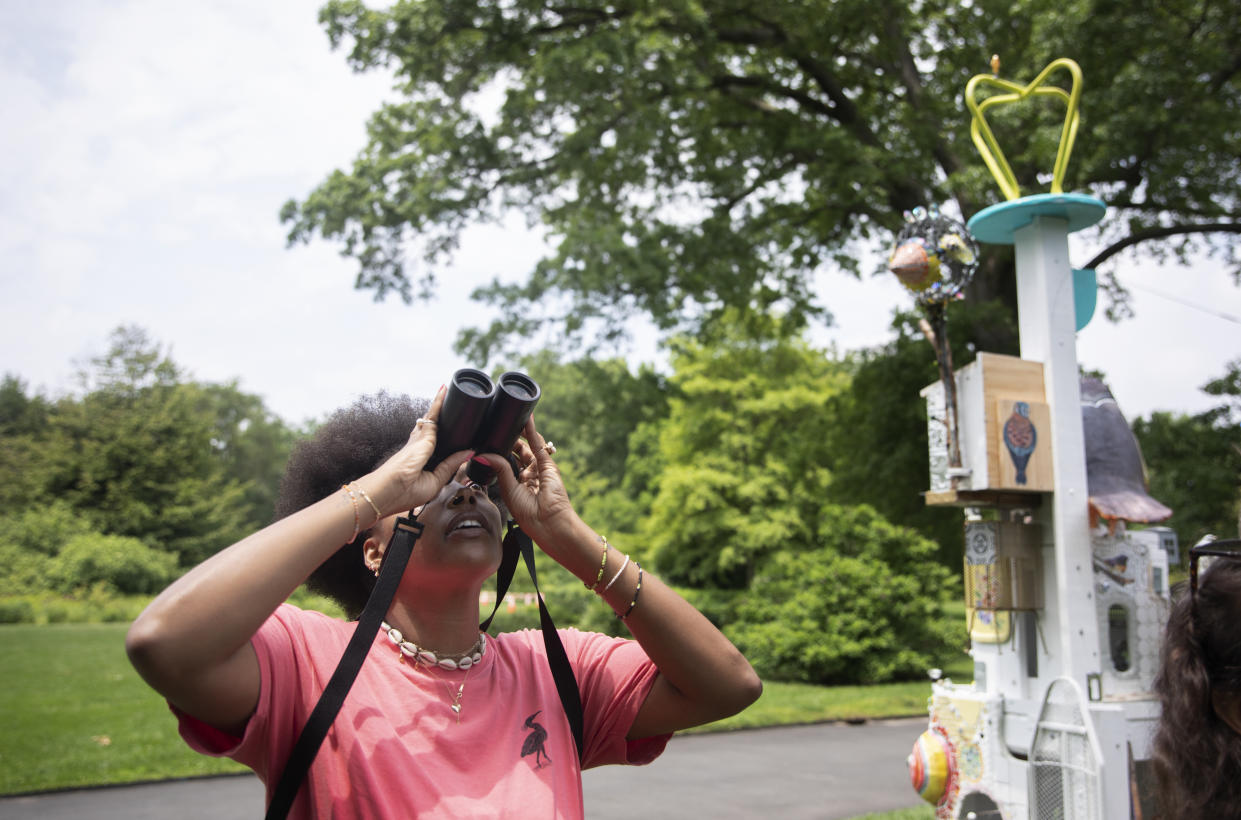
(1161, 233)
(726, 83)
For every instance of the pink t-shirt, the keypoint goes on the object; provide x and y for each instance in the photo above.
(397, 750)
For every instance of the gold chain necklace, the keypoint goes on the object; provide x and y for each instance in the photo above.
(429, 660)
(455, 706)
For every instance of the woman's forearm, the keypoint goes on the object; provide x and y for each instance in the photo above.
(211, 612)
(703, 677)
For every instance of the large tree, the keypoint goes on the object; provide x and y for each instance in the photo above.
(685, 156)
(743, 458)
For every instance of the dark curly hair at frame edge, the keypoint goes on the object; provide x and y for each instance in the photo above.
(352, 442)
(1197, 754)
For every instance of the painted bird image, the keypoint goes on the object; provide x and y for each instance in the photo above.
(1020, 437)
(1114, 568)
(533, 744)
(1120, 563)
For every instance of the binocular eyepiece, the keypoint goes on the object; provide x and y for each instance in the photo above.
(483, 416)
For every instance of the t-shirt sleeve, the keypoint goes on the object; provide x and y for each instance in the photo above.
(614, 676)
(271, 730)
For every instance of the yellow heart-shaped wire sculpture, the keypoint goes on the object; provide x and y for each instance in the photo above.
(1012, 92)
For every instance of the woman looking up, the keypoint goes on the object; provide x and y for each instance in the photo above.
(442, 720)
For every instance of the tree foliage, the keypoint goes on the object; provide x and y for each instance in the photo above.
(1194, 462)
(248, 442)
(742, 453)
(599, 413)
(591, 406)
(143, 454)
(688, 156)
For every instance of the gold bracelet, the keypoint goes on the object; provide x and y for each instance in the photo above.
(358, 487)
(602, 564)
(636, 590)
(357, 521)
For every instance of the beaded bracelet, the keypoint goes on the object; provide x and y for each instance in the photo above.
(602, 564)
(636, 590)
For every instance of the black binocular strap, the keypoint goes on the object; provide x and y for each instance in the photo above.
(400, 547)
(517, 542)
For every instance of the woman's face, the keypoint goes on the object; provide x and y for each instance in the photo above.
(462, 531)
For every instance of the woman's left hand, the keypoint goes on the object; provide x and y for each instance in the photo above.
(702, 677)
(536, 497)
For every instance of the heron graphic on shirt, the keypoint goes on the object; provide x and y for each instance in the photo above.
(533, 744)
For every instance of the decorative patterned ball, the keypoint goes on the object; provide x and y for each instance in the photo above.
(934, 256)
(932, 766)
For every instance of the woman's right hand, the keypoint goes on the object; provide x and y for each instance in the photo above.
(401, 483)
(213, 674)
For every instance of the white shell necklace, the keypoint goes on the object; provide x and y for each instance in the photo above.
(411, 650)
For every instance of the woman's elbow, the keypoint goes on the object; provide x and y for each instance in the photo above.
(148, 649)
(744, 688)
(749, 689)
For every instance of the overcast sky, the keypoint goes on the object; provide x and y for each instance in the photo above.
(147, 148)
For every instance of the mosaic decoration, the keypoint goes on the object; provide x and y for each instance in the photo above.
(960, 725)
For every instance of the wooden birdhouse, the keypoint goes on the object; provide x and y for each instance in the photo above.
(1005, 434)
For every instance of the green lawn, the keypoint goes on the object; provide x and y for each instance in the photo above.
(74, 713)
(926, 812)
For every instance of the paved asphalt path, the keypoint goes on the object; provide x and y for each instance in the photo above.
(825, 772)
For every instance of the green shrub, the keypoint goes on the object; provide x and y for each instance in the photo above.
(29, 542)
(865, 607)
(16, 611)
(43, 530)
(123, 564)
(97, 605)
(60, 611)
(23, 571)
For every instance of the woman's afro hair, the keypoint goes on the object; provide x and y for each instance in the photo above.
(351, 443)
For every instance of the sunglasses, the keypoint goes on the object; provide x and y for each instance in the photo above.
(1230, 548)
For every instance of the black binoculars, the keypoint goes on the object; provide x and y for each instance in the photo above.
(483, 416)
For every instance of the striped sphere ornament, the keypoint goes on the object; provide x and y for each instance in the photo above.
(932, 766)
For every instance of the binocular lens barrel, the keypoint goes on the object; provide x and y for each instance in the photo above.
(473, 383)
(470, 393)
(510, 410)
(483, 416)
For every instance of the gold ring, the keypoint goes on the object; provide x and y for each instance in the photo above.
(549, 448)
